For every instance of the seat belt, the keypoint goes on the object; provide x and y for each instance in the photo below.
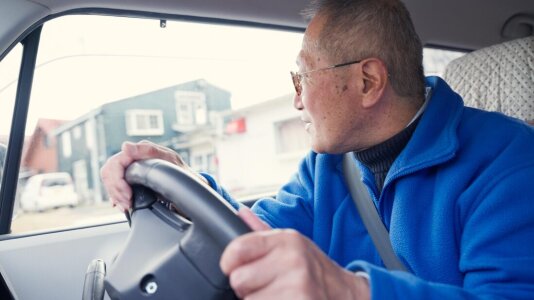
(369, 215)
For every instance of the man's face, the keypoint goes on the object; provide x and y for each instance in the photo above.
(329, 107)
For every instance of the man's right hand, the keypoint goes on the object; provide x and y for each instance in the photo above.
(113, 170)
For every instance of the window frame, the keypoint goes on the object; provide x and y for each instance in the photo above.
(18, 127)
(194, 101)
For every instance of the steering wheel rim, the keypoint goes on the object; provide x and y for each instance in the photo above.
(209, 210)
(163, 255)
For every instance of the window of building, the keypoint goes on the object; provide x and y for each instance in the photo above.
(90, 133)
(200, 113)
(79, 170)
(191, 108)
(77, 132)
(144, 122)
(185, 113)
(66, 145)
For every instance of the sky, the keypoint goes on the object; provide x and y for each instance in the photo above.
(85, 61)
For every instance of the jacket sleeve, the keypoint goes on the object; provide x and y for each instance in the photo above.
(221, 191)
(496, 248)
(293, 206)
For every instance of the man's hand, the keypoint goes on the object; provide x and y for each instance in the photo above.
(113, 170)
(282, 264)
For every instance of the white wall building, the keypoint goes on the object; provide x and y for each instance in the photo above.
(260, 147)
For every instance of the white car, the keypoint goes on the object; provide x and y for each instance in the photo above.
(49, 190)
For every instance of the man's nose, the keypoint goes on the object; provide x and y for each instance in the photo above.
(297, 102)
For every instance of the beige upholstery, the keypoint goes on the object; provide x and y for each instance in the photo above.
(497, 78)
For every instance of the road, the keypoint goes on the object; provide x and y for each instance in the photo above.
(88, 214)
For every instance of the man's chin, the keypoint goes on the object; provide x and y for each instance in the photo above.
(326, 149)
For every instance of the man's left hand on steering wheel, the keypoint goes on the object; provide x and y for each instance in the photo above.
(112, 173)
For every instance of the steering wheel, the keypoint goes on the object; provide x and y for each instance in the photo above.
(167, 256)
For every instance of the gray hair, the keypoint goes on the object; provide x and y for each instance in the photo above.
(358, 29)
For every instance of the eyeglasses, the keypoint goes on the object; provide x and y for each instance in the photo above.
(297, 77)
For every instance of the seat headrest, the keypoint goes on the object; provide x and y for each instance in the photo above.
(497, 78)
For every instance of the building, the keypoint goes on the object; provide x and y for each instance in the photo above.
(167, 116)
(260, 146)
(40, 151)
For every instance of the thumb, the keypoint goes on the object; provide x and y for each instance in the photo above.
(143, 150)
(252, 220)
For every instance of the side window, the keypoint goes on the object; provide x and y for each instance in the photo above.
(435, 60)
(290, 137)
(219, 95)
(103, 80)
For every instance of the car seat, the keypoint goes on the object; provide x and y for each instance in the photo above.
(497, 78)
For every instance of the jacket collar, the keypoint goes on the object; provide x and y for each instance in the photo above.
(435, 140)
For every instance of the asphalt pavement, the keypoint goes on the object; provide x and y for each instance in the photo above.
(65, 217)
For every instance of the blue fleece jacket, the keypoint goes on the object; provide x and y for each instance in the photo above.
(458, 202)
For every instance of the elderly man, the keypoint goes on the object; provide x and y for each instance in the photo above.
(452, 184)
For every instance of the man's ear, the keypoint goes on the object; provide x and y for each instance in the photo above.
(375, 78)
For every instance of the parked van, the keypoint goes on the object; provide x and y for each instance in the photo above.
(49, 190)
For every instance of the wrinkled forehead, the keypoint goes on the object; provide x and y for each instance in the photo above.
(310, 58)
(305, 59)
(311, 53)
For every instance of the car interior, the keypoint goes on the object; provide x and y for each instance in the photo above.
(502, 73)
(209, 79)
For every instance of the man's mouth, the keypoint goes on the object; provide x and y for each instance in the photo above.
(307, 123)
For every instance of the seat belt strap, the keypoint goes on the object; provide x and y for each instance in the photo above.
(369, 215)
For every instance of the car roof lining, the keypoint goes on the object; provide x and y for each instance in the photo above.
(435, 17)
(439, 23)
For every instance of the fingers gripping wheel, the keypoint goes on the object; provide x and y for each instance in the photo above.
(166, 256)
